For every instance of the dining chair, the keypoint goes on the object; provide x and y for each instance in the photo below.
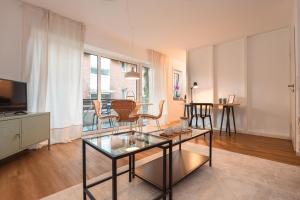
(154, 117)
(137, 108)
(201, 110)
(100, 117)
(124, 109)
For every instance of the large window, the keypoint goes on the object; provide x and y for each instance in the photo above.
(145, 84)
(113, 82)
(90, 89)
(146, 77)
(90, 76)
(111, 85)
(114, 85)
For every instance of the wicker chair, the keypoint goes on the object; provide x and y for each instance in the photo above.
(155, 117)
(101, 118)
(124, 109)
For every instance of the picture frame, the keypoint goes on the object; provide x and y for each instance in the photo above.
(177, 85)
(231, 99)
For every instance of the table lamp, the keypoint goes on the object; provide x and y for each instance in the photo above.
(194, 86)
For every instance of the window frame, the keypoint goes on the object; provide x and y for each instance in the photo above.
(111, 55)
(89, 53)
(150, 78)
(137, 92)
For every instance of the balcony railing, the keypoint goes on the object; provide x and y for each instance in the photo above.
(90, 119)
(89, 115)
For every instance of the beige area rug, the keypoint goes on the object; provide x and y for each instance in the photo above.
(232, 176)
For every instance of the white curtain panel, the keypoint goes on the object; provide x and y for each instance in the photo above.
(35, 49)
(64, 97)
(158, 89)
(52, 68)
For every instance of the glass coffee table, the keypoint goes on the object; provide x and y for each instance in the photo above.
(127, 144)
(184, 162)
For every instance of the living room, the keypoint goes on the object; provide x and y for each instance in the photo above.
(116, 99)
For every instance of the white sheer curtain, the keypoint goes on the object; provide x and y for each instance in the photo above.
(53, 48)
(158, 90)
(35, 49)
(64, 97)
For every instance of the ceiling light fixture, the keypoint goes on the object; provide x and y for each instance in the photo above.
(132, 75)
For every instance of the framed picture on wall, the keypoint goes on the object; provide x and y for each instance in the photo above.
(231, 99)
(177, 85)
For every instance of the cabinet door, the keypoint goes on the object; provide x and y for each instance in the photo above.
(9, 137)
(35, 129)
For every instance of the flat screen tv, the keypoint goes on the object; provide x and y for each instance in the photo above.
(13, 96)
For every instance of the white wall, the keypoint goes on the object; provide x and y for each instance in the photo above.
(200, 70)
(268, 77)
(229, 70)
(10, 39)
(230, 73)
(175, 107)
(112, 45)
(256, 69)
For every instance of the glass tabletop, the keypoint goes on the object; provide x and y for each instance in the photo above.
(179, 138)
(124, 143)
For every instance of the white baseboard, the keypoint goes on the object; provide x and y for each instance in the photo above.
(231, 130)
(258, 134)
(269, 135)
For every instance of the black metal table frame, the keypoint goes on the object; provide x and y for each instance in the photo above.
(166, 190)
(227, 109)
(203, 134)
(164, 147)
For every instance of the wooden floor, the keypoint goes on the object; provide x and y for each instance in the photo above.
(39, 173)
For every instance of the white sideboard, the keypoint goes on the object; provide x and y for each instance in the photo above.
(18, 132)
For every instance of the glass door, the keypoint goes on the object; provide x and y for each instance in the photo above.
(114, 85)
(104, 80)
(145, 98)
(90, 91)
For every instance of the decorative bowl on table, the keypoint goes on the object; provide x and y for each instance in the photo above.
(175, 131)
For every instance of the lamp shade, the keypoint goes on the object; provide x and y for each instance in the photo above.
(132, 75)
(195, 85)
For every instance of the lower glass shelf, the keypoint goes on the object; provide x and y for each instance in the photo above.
(184, 163)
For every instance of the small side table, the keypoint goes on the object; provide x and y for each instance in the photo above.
(185, 162)
(127, 144)
(227, 109)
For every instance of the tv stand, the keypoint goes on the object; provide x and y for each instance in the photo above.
(20, 113)
(20, 132)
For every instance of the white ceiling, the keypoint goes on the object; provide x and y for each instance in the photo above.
(168, 25)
